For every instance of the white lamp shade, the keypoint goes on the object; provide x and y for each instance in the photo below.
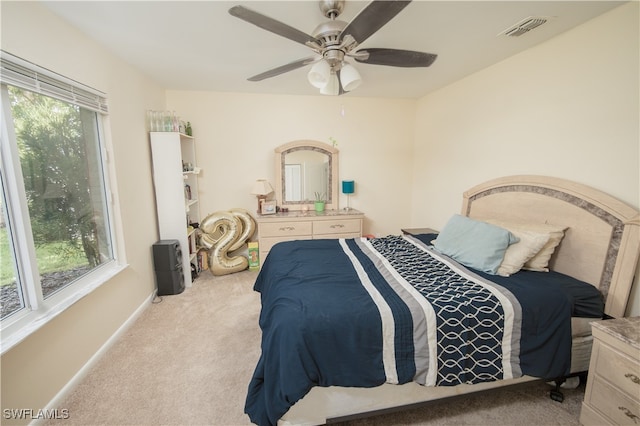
(319, 74)
(332, 87)
(350, 77)
(262, 187)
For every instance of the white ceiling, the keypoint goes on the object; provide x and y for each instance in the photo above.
(198, 45)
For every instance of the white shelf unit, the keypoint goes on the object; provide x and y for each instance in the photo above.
(175, 178)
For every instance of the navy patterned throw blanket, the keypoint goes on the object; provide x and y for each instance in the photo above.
(362, 313)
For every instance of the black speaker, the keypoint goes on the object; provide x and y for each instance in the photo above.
(167, 255)
(167, 259)
(170, 282)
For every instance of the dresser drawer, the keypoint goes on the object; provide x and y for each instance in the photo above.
(285, 226)
(336, 236)
(285, 229)
(620, 370)
(614, 404)
(338, 226)
(268, 242)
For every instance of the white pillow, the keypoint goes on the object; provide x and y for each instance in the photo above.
(540, 261)
(519, 253)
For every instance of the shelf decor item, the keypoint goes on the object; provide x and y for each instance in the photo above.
(348, 187)
(163, 121)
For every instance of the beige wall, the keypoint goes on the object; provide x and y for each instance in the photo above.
(34, 371)
(237, 133)
(566, 108)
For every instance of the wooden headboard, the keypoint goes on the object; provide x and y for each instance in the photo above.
(602, 241)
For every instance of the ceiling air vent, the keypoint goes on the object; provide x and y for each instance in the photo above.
(524, 26)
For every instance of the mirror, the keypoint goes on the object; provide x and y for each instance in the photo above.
(304, 168)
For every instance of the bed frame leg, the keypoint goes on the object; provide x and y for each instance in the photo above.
(556, 394)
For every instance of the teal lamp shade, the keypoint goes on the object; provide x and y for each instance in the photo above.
(348, 187)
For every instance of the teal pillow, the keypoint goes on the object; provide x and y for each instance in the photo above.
(478, 245)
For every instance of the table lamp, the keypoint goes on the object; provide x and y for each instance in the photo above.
(261, 189)
(348, 187)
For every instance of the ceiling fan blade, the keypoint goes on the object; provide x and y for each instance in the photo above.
(372, 18)
(272, 25)
(394, 57)
(283, 68)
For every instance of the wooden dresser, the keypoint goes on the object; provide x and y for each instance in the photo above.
(299, 225)
(612, 396)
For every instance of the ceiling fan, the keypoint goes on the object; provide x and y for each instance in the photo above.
(333, 41)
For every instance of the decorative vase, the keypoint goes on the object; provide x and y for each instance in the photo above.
(319, 206)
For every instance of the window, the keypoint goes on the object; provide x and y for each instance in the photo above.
(56, 233)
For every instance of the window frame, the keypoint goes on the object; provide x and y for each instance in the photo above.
(38, 311)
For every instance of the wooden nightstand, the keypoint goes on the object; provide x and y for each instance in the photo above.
(416, 231)
(612, 395)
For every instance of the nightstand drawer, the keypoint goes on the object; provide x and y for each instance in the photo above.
(612, 395)
(621, 371)
(339, 226)
(285, 229)
(614, 404)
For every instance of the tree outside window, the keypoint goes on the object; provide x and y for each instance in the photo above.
(60, 158)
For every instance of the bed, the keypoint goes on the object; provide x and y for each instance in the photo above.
(354, 327)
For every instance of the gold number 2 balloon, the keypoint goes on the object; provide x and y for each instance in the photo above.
(224, 232)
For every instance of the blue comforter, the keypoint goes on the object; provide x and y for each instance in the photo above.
(360, 312)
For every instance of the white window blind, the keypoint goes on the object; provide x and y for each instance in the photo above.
(21, 73)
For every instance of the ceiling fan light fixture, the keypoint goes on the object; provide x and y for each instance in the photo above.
(319, 74)
(332, 87)
(350, 77)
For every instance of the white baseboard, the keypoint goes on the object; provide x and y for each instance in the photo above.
(86, 368)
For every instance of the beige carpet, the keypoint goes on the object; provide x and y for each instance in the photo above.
(188, 360)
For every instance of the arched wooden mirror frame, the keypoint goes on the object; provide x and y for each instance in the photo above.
(311, 145)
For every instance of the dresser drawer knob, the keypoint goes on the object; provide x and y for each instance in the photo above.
(287, 228)
(337, 226)
(629, 414)
(635, 379)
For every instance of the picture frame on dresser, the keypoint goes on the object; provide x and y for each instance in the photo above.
(268, 207)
